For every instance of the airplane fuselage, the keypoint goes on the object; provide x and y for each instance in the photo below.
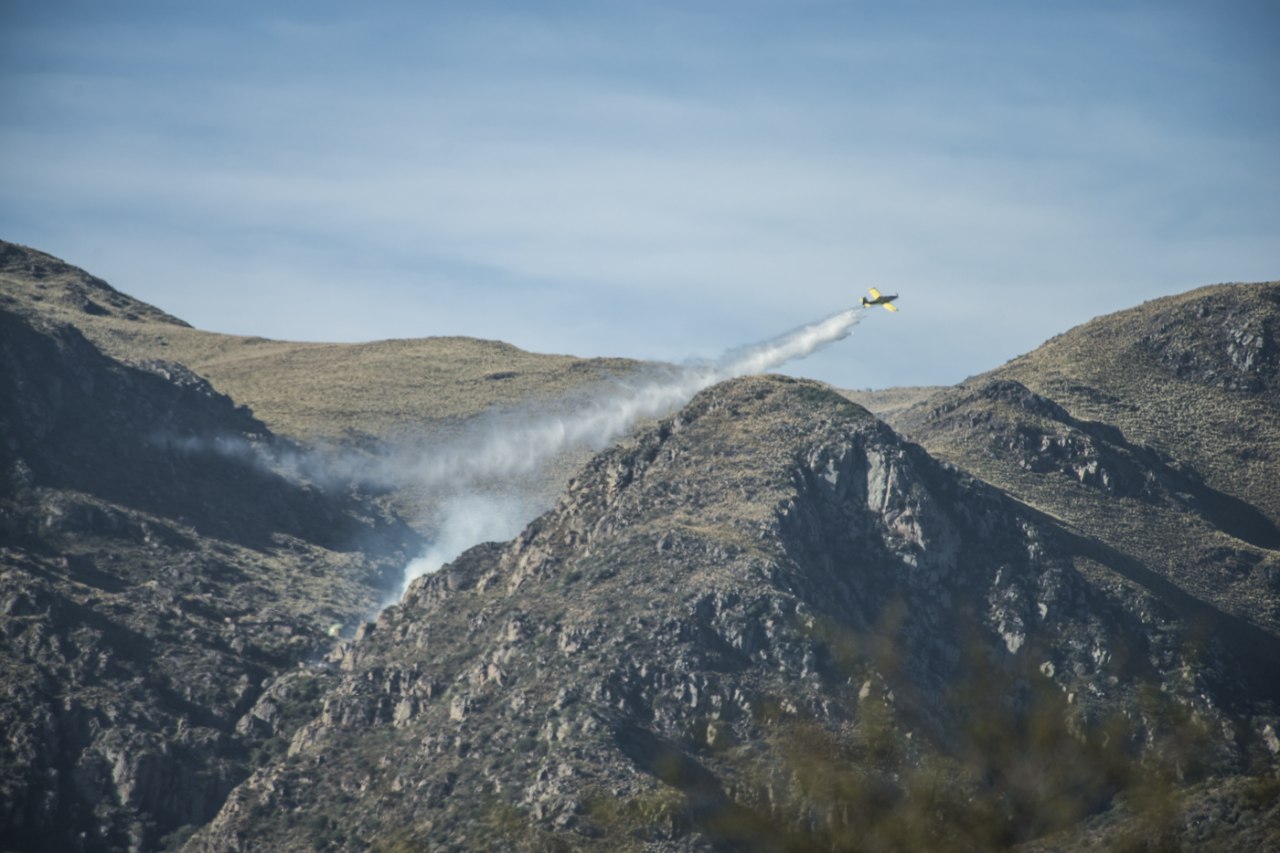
(877, 298)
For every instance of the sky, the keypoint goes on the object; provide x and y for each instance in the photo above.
(648, 179)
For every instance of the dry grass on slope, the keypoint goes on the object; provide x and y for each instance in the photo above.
(1187, 484)
(886, 403)
(1196, 376)
(392, 389)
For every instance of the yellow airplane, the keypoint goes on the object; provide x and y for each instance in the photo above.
(877, 299)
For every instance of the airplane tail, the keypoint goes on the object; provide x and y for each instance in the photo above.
(865, 303)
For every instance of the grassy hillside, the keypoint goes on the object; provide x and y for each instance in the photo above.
(385, 389)
(365, 397)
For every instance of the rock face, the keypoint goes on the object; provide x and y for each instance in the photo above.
(152, 576)
(768, 623)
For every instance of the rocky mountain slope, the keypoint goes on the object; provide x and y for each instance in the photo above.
(1156, 430)
(769, 623)
(153, 573)
(1036, 610)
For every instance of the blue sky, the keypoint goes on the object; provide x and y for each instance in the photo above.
(657, 180)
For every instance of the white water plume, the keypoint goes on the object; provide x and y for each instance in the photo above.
(466, 521)
(485, 485)
(507, 446)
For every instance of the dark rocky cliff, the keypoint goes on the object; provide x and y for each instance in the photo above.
(152, 575)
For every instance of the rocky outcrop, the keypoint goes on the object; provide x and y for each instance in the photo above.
(768, 623)
(1038, 436)
(1222, 343)
(1194, 376)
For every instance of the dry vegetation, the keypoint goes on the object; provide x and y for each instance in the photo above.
(393, 390)
(885, 403)
(1196, 376)
(362, 397)
(1187, 485)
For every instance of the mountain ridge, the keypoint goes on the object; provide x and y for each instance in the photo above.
(676, 692)
(311, 390)
(1123, 450)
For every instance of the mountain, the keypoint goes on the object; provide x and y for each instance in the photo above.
(380, 390)
(767, 623)
(162, 567)
(1155, 430)
(1036, 610)
(154, 572)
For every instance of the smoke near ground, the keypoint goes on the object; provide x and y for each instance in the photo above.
(465, 521)
(503, 447)
(487, 483)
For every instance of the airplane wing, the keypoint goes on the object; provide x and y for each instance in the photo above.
(889, 306)
(875, 294)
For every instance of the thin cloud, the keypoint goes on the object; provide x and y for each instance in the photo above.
(565, 182)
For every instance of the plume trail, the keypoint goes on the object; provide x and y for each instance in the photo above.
(505, 446)
(481, 484)
(508, 446)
